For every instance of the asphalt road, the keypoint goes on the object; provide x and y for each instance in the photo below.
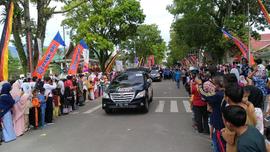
(166, 128)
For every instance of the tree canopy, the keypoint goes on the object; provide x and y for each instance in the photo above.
(147, 41)
(104, 24)
(198, 24)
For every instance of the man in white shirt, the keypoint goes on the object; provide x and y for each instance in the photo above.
(33, 83)
(49, 85)
(26, 86)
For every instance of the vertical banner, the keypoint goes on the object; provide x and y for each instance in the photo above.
(4, 43)
(43, 64)
(86, 60)
(109, 67)
(76, 57)
(39, 49)
(265, 12)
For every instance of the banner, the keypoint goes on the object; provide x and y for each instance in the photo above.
(4, 43)
(151, 61)
(141, 63)
(265, 12)
(242, 47)
(43, 64)
(76, 57)
(110, 64)
(86, 60)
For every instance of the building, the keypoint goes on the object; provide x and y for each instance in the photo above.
(261, 48)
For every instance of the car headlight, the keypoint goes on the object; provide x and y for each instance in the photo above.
(140, 94)
(106, 95)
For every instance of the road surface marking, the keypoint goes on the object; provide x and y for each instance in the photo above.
(171, 97)
(174, 107)
(187, 106)
(160, 106)
(93, 109)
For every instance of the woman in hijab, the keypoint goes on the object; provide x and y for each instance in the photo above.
(19, 107)
(6, 103)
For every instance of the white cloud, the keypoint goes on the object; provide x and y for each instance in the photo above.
(156, 13)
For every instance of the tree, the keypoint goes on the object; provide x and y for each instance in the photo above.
(22, 25)
(199, 23)
(103, 24)
(147, 41)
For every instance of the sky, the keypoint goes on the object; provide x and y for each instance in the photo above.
(155, 11)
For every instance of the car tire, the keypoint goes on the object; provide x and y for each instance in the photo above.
(108, 111)
(145, 108)
(151, 99)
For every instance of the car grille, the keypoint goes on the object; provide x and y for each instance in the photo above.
(122, 97)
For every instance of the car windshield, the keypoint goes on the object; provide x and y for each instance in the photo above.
(131, 78)
(154, 72)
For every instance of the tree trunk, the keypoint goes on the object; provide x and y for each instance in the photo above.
(16, 28)
(28, 34)
(41, 26)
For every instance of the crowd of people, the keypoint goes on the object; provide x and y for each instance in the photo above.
(31, 103)
(230, 104)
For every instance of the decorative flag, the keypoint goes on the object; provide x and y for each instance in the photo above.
(151, 60)
(242, 47)
(136, 61)
(265, 12)
(109, 67)
(76, 57)
(43, 64)
(4, 43)
(141, 63)
(86, 60)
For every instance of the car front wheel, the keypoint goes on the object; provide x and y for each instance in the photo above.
(145, 108)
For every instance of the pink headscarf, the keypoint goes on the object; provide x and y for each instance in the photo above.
(16, 91)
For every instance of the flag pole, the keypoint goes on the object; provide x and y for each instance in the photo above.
(249, 37)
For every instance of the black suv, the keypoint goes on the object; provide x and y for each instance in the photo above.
(129, 90)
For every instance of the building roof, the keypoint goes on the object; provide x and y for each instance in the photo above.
(264, 42)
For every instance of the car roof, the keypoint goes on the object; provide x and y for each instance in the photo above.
(139, 69)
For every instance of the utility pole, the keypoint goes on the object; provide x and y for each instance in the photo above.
(249, 37)
(65, 58)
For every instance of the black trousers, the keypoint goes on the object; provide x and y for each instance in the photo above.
(201, 118)
(49, 110)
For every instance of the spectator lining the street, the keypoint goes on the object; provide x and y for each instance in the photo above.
(249, 138)
(49, 86)
(42, 100)
(7, 123)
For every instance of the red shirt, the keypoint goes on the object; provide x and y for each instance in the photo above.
(197, 99)
(69, 84)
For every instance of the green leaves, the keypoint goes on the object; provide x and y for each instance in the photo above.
(104, 24)
(198, 24)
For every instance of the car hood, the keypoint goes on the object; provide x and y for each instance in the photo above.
(120, 88)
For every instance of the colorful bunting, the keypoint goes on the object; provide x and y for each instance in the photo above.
(242, 47)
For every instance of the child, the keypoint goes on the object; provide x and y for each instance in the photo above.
(56, 103)
(42, 100)
(36, 105)
(91, 90)
(27, 112)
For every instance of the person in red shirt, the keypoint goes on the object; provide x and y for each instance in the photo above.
(198, 105)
